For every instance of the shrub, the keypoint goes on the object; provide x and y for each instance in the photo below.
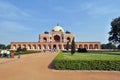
(62, 63)
(26, 52)
(24, 49)
(87, 65)
(19, 49)
(82, 50)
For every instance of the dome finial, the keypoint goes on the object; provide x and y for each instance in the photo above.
(58, 28)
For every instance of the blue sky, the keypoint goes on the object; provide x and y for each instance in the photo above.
(24, 20)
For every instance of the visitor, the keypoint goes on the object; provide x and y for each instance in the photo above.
(5, 52)
(2, 53)
(19, 50)
(44, 50)
(19, 54)
(51, 50)
(12, 54)
(8, 53)
(54, 49)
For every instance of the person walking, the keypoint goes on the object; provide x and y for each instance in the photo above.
(2, 53)
(8, 53)
(5, 52)
(12, 54)
(19, 54)
(19, 50)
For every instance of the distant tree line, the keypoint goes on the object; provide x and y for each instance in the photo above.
(110, 46)
(3, 46)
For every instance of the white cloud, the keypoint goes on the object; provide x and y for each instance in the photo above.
(90, 8)
(10, 16)
(10, 11)
(86, 6)
(9, 26)
(64, 9)
(99, 9)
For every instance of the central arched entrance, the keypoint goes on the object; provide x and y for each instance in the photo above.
(57, 38)
(68, 39)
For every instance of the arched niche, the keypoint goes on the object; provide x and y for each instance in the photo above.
(57, 38)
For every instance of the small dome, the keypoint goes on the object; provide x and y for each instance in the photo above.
(68, 32)
(46, 32)
(58, 28)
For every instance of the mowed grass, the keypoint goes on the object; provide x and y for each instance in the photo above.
(92, 56)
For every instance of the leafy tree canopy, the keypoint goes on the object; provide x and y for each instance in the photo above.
(118, 47)
(3, 46)
(108, 46)
(114, 34)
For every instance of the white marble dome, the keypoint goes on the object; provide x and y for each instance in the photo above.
(58, 28)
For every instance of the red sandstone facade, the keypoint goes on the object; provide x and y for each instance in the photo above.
(56, 39)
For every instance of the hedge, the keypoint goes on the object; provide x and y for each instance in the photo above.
(61, 63)
(83, 50)
(27, 52)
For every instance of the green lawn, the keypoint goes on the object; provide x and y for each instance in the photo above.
(93, 60)
(93, 56)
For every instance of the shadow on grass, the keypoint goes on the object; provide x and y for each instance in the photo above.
(51, 65)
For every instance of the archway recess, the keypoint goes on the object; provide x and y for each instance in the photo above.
(57, 38)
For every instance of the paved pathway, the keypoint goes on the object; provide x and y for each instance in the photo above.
(36, 67)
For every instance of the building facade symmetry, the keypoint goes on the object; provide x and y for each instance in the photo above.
(56, 39)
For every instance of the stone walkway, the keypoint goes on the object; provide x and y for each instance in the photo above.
(37, 67)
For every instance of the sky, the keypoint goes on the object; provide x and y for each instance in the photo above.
(88, 20)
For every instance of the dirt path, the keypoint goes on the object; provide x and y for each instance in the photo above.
(35, 67)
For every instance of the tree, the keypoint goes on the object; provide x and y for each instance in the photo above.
(67, 46)
(108, 46)
(115, 31)
(73, 47)
(2, 46)
(24, 49)
(19, 49)
(8, 46)
(118, 47)
(103, 46)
